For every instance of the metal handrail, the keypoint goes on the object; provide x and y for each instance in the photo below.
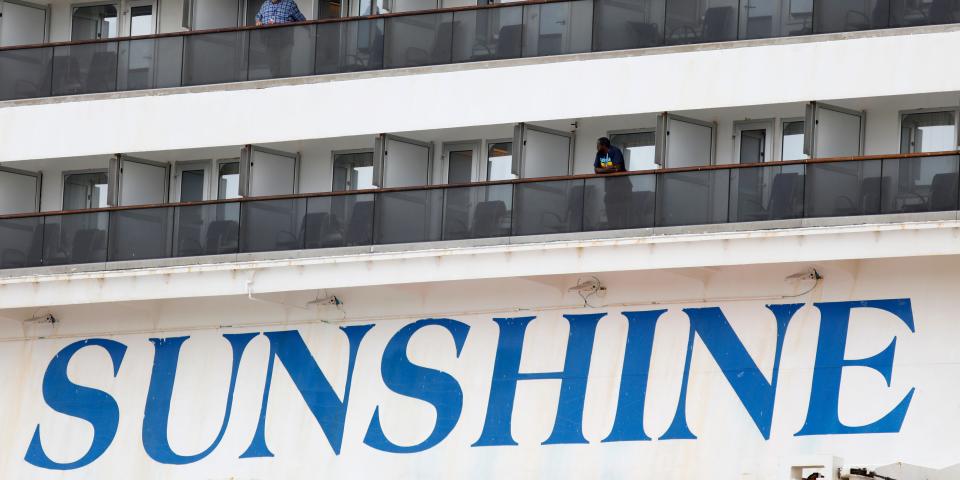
(661, 171)
(262, 27)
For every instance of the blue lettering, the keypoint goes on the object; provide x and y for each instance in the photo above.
(313, 386)
(95, 406)
(823, 417)
(754, 391)
(628, 424)
(156, 415)
(568, 427)
(437, 388)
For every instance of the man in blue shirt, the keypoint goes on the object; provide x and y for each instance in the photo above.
(617, 191)
(609, 158)
(279, 41)
(279, 11)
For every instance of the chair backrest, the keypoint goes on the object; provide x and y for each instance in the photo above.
(46, 241)
(509, 43)
(943, 11)
(643, 205)
(575, 201)
(66, 68)
(871, 190)
(103, 70)
(360, 229)
(943, 192)
(89, 245)
(443, 44)
(784, 196)
(222, 237)
(716, 23)
(487, 217)
(315, 226)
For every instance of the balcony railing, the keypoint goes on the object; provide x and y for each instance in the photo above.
(666, 198)
(502, 31)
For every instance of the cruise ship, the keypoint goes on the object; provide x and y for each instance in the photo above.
(371, 240)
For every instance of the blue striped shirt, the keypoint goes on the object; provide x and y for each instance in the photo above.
(284, 11)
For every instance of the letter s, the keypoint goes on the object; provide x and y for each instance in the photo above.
(68, 398)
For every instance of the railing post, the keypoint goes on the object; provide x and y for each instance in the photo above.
(583, 203)
(106, 248)
(374, 227)
(116, 72)
(245, 42)
(443, 211)
(513, 208)
(53, 62)
(806, 186)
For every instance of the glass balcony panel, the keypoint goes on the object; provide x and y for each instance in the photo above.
(701, 21)
(908, 13)
(21, 242)
(207, 230)
(624, 24)
(490, 34)
(766, 193)
(339, 221)
(843, 188)
(417, 40)
(215, 58)
(557, 28)
(150, 63)
(850, 15)
(25, 73)
(477, 212)
(140, 234)
(408, 216)
(775, 18)
(927, 184)
(85, 68)
(272, 225)
(282, 52)
(693, 198)
(75, 238)
(548, 207)
(349, 46)
(617, 203)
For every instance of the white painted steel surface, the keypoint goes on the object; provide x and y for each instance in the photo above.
(22, 24)
(18, 192)
(728, 444)
(272, 173)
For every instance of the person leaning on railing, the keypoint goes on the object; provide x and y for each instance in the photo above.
(616, 196)
(609, 158)
(273, 12)
(279, 42)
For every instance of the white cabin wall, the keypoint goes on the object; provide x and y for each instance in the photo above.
(461, 96)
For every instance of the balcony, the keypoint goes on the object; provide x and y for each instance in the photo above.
(775, 194)
(447, 36)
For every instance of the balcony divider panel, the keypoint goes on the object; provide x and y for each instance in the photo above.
(75, 238)
(220, 57)
(282, 52)
(21, 242)
(619, 202)
(272, 225)
(140, 234)
(26, 73)
(208, 229)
